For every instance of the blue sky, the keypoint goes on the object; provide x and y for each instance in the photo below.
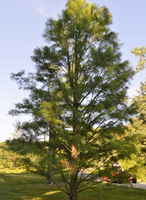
(22, 24)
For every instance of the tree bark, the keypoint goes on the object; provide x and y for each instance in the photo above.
(50, 177)
(73, 186)
(51, 172)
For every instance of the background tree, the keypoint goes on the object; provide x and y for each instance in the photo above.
(139, 125)
(140, 99)
(135, 164)
(88, 91)
(8, 158)
(141, 53)
(37, 129)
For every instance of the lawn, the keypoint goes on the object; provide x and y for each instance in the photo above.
(15, 186)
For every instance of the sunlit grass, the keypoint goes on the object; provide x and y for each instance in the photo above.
(2, 180)
(23, 186)
(17, 170)
(50, 193)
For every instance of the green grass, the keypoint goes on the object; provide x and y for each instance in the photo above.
(17, 186)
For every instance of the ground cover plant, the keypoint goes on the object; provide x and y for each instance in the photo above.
(15, 186)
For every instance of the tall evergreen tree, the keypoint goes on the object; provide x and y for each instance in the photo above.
(91, 88)
(87, 85)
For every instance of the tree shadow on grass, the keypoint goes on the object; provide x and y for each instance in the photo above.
(32, 187)
(27, 186)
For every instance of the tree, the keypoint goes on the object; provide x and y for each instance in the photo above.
(91, 88)
(88, 108)
(141, 52)
(37, 129)
(9, 159)
(136, 165)
(140, 120)
(139, 124)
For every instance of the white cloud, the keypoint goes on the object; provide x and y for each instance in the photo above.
(41, 11)
(47, 8)
(40, 7)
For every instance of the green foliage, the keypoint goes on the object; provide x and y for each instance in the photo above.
(135, 166)
(77, 95)
(90, 88)
(139, 125)
(32, 157)
(8, 158)
(141, 53)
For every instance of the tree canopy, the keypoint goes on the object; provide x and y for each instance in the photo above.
(141, 52)
(140, 120)
(84, 85)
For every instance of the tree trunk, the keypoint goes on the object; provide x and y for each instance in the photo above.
(51, 172)
(50, 177)
(73, 188)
